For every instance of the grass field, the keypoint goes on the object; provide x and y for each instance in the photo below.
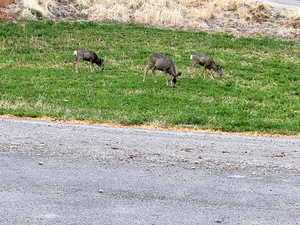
(259, 92)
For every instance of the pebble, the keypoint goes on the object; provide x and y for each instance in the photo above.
(41, 163)
(225, 152)
(100, 191)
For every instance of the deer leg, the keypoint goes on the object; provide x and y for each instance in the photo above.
(146, 72)
(76, 65)
(168, 80)
(194, 69)
(203, 72)
(211, 75)
(173, 81)
(154, 74)
(91, 70)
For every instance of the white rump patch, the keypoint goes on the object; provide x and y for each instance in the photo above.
(191, 57)
(75, 53)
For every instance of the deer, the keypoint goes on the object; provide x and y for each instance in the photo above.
(90, 56)
(158, 61)
(208, 63)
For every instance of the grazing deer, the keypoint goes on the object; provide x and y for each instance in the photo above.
(157, 61)
(207, 62)
(86, 55)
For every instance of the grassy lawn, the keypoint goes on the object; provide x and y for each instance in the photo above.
(259, 92)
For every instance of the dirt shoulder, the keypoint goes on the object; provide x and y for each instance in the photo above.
(214, 153)
(150, 127)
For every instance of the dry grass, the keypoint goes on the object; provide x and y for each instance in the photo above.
(294, 22)
(173, 13)
(153, 12)
(4, 3)
(230, 16)
(158, 12)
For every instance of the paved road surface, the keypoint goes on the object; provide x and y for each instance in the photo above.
(54, 173)
(284, 2)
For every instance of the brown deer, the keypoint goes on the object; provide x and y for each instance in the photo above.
(158, 61)
(90, 56)
(207, 62)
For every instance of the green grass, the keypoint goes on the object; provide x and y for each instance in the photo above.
(259, 92)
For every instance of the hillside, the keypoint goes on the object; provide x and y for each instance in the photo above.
(239, 17)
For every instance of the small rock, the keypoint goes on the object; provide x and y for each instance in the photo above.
(41, 163)
(225, 152)
(100, 191)
(132, 156)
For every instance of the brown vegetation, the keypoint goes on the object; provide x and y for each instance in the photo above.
(4, 3)
(294, 22)
(231, 16)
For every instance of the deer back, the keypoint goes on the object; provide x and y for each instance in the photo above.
(202, 59)
(86, 55)
(162, 63)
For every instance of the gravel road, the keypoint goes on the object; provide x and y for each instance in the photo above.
(212, 152)
(59, 173)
